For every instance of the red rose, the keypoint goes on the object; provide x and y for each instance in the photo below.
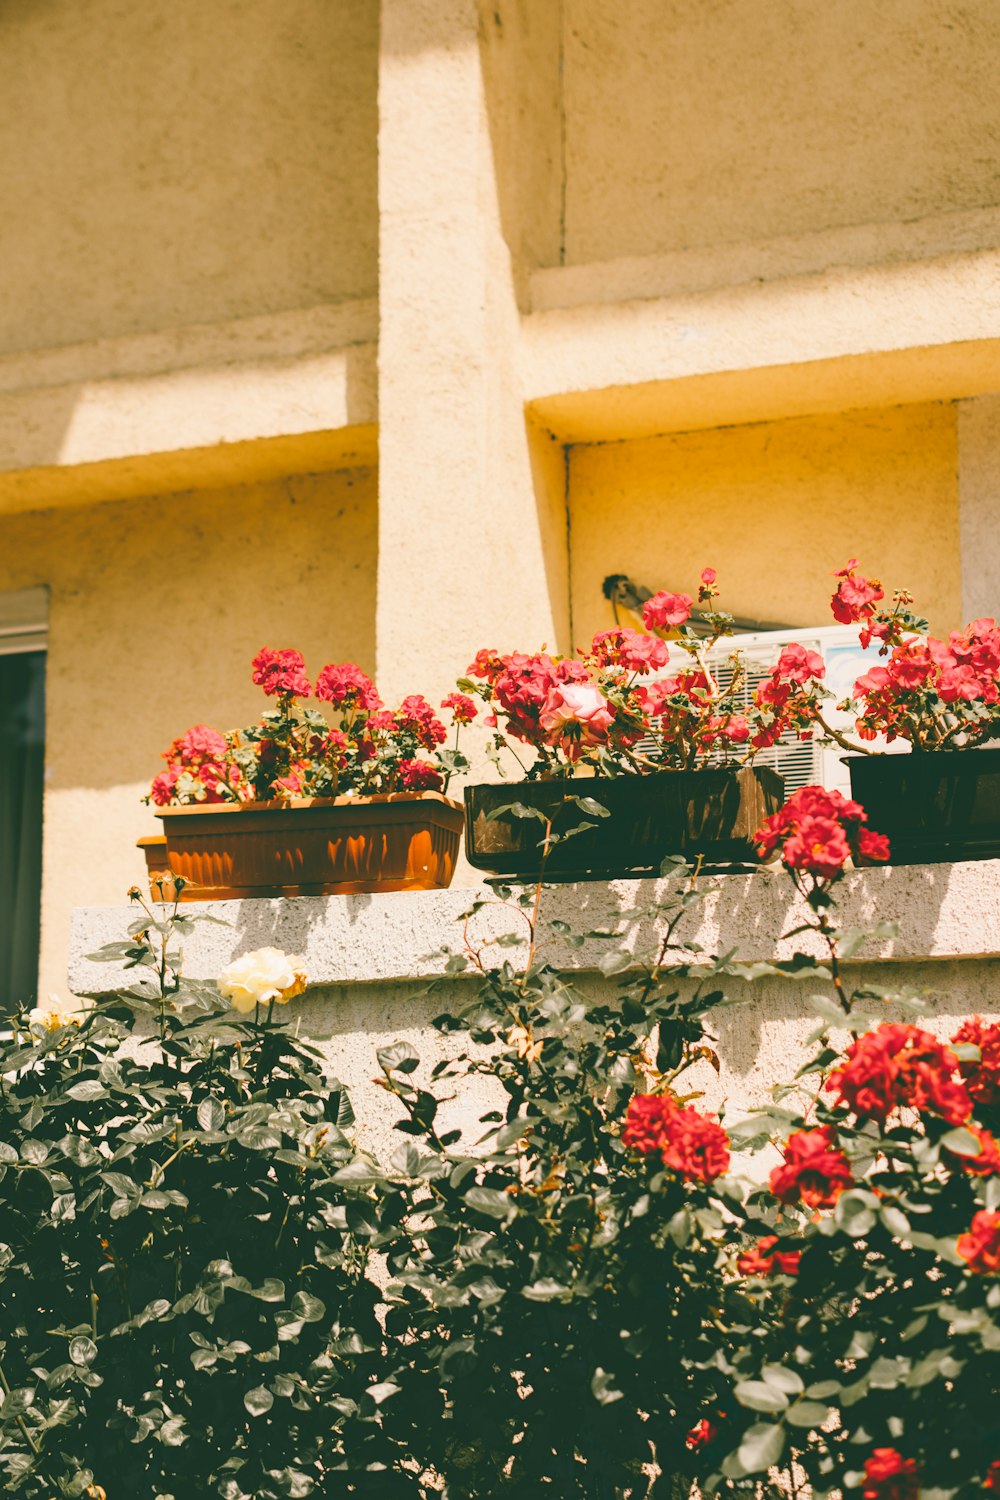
(872, 845)
(815, 1172)
(981, 1245)
(890, 1476)
(701, 1433)
(817, 846)
(987, 1162)
(708, 576)
(764, 1257)
(281, 673)
(695, 1146)
(900, 1066)
(688, 1142)
(981, 1076)
(818, 831)
(644, 1121)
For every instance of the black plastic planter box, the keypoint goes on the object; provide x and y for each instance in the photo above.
(932, 805)
(713, 813)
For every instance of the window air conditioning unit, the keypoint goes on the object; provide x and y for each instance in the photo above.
(800, 762)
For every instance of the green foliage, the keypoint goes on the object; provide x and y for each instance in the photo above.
(207, 1288)
(184, 1306)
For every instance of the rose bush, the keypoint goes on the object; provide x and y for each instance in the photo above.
(294, 751)
(207, 1285)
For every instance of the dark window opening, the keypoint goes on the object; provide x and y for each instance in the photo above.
(22, 770)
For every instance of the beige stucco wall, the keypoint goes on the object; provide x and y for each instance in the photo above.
(775, 507)
(172, 162)
(694, 124)
(157, 607)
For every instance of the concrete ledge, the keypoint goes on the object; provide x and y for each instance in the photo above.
(949, 912)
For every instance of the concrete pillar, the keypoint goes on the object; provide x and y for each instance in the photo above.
(472, 523)
(979, 505)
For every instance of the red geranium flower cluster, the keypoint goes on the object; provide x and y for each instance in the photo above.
(345, 686)
(605, 708)
(980, 1246)
(199, 769)
(788, 700)
(294, 752)
(629, 649)
(890, 1476)
(463, 710)
(855, 598)
(281, 673)
(814, 1172)
(688, 1142)
(899, 1066)
(934, 693)
(818, 832)
(992, 1480)
(765, 1259)
(667, 611)
(981, 1075)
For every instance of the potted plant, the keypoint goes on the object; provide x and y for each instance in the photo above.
(941, 697)
(668, 754)
(296, 805)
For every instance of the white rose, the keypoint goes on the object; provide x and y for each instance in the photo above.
(262, 976)
(50, 1017)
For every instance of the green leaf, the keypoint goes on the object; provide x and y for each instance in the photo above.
(382, 1390)
(807, 1414)
(258, 1401)
(762, 1447)
(87, 1089)
(211, 1115)
(590, 806)
(961, 1142)
(492, 1201)
(759, 1396)
(399, 1058)
(545, 1289)
(783, 1379)
(894, 1220)
(307, 1307)
(82, 1351)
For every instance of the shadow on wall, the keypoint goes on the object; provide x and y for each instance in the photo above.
(159, 605)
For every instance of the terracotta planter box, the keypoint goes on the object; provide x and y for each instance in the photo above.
(932, 805)
(713, 813)
(404, 841)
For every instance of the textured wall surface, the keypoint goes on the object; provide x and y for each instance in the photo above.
(941, 910)
(775, 508)
(695, 123)
(157, 607)
(173, 162)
